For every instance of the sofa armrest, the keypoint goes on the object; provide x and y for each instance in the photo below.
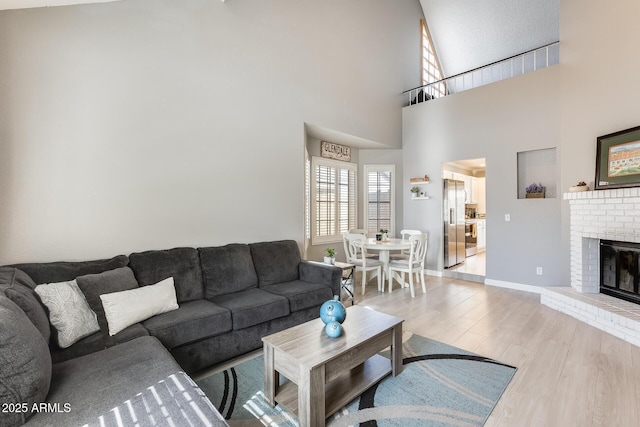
(324, 274)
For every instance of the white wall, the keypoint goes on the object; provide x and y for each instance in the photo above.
(148, 124)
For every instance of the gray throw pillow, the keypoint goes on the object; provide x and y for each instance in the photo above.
(94, 285)
(19, 288)
(25, 376)
(69, 311)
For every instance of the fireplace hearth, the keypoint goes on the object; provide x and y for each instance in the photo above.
(619, 270)
(596, 216)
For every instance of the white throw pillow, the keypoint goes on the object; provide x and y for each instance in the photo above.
(125, 308)
(69, 311)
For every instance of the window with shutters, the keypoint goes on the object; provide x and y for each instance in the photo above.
(307, 196)
(333, 198)
(379, 196)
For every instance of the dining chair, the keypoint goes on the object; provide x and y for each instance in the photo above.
(358, 231)
(357, 255)
(364, 233)
(404, 254)
(414, 264)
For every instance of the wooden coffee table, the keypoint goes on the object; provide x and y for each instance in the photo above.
(327, 373)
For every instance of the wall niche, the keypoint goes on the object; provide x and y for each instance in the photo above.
(539, 167)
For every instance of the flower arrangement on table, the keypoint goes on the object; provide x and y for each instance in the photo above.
(384, 234)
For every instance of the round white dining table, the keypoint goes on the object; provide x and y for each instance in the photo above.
(383, 247)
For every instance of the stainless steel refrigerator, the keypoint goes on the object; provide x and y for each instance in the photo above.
(454, 241)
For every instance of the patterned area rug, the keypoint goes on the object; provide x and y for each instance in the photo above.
(440, 385)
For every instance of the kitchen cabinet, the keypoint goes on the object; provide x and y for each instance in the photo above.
(473, 185)
(482, 234)
(482, 195)
(471, 188)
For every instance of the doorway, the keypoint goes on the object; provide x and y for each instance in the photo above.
(472, 172)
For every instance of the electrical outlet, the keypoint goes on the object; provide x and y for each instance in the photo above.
(539, 271)
(507, 217)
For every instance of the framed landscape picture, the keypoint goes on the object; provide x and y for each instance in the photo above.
(618, 160)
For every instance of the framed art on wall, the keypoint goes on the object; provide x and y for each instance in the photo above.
(618, 160)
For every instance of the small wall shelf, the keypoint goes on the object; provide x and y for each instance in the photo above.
(419, 181)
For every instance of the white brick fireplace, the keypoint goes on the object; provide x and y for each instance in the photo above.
(594, 216)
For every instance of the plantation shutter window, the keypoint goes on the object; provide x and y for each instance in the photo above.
(334, 199)
(379, 198)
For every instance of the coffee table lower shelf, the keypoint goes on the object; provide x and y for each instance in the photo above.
(343, 389)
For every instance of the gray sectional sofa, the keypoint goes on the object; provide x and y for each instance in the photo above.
(228, 298)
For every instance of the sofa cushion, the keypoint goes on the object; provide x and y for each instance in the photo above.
(192, 321)
(16, 285)
(125, 308)
(94, 384)
(96, 342)
(183, 264)
(227, 269)
(62, 271)
(253, 306)
(69, 311)
(173, 401)
(301, 295)
(26, 364)
(94, 285)
(276, 262)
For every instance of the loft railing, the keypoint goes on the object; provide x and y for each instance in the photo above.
(513, 66)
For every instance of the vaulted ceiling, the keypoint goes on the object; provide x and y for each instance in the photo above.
(471, 33)
(466, 33)
(24, 4)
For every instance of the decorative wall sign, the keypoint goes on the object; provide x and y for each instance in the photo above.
(618, 160)
(335, 151)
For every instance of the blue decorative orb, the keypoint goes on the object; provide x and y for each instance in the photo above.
(333, 329)
(333, 311)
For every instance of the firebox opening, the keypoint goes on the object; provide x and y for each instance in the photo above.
(619, 272)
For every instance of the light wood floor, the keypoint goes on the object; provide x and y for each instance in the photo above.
(569, 373)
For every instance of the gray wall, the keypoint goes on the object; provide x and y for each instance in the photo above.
(147, 124)
(495, 122)
(592, 92)
(599, 44)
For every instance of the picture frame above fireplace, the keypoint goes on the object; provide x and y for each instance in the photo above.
(618, 160)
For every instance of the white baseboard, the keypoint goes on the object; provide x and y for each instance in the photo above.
(512, 285)
(434, 273)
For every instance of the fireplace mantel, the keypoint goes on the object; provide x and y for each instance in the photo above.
(596, 215)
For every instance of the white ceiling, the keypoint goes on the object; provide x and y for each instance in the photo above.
(466, 33)
(24, 4)
(471, 33)
(474, 166)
